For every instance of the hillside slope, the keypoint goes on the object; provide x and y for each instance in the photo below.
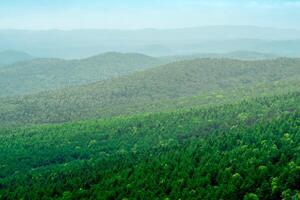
(248, 150)
(138, 92)
(47, 74)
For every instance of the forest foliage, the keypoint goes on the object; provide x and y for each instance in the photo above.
(248, 150)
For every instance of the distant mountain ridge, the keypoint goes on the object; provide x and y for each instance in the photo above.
(156, 42)
(10, 57)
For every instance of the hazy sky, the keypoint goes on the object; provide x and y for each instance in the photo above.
(134, 14)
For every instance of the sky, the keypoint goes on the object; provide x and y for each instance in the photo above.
(140, 14)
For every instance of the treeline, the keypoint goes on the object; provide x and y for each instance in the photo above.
(248, 150)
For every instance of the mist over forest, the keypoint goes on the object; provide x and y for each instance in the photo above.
(205, 104)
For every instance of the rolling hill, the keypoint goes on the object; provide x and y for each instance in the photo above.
(48, 74)
(43, 74)
(156, 89)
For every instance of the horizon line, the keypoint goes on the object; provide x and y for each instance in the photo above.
(150, 28)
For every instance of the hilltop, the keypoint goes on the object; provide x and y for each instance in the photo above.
(47, 74)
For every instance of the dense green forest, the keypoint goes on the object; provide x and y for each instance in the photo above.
(46, 74)
(247, 150)
(189, 129)
(167, 87)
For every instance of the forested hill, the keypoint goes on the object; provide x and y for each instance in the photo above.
(9, 57)
(36, 75)
(248, 151)
(140, 91)
(47, 74)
